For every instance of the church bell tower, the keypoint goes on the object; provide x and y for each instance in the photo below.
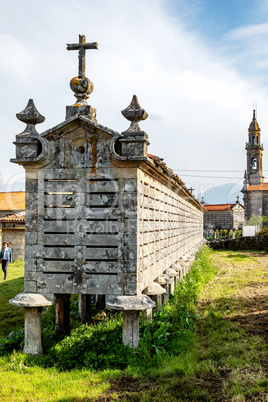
(254, 150)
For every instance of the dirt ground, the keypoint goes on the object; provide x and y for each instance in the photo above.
(252, 315)
(254, 298)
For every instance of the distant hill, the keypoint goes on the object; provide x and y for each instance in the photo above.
(224, 194)
(15, 186)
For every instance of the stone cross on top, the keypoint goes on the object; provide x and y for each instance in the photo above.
(82, 46)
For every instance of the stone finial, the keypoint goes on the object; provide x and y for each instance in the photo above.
(81, 85)
(31, 117)
(134, 113)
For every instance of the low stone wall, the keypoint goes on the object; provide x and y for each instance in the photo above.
(259, 243)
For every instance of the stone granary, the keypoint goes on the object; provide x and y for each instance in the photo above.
(102, 217)
(255, 190)
(224, 216)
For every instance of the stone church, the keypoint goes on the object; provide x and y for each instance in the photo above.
(254, 189)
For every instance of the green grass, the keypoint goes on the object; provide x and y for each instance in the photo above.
(195, 349)
(11, 317)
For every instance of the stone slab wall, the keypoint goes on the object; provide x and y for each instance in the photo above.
(169, 226)
(98, 223)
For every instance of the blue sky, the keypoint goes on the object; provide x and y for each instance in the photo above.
(196, 66)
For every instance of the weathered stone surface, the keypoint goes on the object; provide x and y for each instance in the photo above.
(30, 300)
(154, 289)
(131, 328)
(142, 302)
(32, 331)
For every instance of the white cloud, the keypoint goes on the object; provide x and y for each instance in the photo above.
(16, 58)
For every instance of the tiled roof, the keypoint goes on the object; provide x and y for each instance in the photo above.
(257, 187)
(20, 217)
(218, 207)
(12, 201)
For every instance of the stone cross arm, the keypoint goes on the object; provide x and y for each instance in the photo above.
(82, 46)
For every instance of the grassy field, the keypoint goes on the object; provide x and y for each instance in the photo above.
(10, 316)
(209, 344)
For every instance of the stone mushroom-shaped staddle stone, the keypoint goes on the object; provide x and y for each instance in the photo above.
(156, 291)
(33, 304)
(131, 307)
(165, 281)
(135, 142)
(179, 269)
(173, 275)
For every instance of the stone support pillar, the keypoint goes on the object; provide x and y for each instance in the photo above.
(155, 291)
(32, 331)
(131, 306)
(84, 307)
(149, 314)
(63, 313)
(179, 269)
(165, 281)
(100, 302)
(131, 328)
(33, 304)
(172, 274)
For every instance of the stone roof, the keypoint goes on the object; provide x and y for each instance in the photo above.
(159, 162)
(254, 126)
(219, 207)
(12, 201)
(20, 217)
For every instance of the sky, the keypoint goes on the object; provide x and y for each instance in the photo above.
(197, 67)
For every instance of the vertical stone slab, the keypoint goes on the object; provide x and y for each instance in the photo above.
(84, 308)
(100, 302)
(131, 328)
(63, 313)
(32, 331)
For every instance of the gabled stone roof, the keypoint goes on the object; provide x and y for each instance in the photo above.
(159, 162)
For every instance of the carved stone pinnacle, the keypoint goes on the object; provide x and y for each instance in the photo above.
(31, 117)
(134, 113)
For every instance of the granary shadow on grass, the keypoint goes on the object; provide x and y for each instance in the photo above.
(250, 312)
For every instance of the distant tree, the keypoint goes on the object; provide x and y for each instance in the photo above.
(258, 220)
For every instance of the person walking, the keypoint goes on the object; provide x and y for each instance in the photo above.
(5, 257)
